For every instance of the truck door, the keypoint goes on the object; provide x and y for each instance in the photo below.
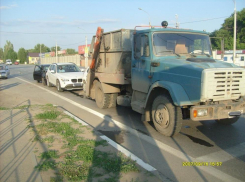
(141, 63)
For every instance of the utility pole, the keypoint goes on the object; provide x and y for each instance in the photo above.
(222, 45)
(86, 54)
(56, 53)
(40, 55)
(234, 40)
(177, 23)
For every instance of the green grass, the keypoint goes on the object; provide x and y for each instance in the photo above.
(48, 115)
(49, 154)
(22, 107)
(46, 165)
(49, 139)
(82, 159)
(4, 108)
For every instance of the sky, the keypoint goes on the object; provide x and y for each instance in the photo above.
(26, 23)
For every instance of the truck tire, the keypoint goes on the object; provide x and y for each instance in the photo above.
(102, 99)
(113, 100)
(48, 83)
(58, 86)
(167, 118)
(44, 82)
(227, 121)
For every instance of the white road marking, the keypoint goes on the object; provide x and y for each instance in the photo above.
(213, 171)
(224, 155)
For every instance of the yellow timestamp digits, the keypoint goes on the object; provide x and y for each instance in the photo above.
(201, 163)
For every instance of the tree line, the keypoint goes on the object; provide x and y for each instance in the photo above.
(8, 51)
(226, 31)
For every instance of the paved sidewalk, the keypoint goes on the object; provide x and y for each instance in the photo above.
(17, 161)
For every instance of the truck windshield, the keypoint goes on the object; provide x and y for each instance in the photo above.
(181, 43)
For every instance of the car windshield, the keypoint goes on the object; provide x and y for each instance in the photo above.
(181, 43)
(68, 68)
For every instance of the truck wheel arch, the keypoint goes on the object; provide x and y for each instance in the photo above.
(175, 91)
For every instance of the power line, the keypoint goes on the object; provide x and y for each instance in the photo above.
(74, 43)
(94, 33)
(43, 33)
(205, 20)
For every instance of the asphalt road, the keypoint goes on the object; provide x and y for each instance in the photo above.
(204, 141)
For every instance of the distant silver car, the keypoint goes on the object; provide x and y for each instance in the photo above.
(4, 71)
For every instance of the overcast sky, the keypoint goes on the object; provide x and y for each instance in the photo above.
(26, 23)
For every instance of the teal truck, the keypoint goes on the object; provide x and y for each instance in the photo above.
(167, 75)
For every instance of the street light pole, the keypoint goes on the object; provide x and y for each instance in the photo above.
(234, 40)
(148, 15)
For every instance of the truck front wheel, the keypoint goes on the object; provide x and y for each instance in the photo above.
(166, 116)
(227, 121)
(102, 99)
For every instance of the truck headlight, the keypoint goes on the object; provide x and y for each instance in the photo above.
(65, 80)
(200, 113)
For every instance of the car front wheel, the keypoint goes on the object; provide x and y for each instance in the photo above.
(58, 86)
(48, 83)
(44, 81)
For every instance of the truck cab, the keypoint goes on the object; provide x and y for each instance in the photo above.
(167, 75)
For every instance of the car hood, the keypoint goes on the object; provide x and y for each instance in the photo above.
(71, 75)
(3, 71)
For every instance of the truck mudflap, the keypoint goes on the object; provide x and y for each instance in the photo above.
(223, 110)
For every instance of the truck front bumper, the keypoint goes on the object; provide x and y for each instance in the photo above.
(224, 110)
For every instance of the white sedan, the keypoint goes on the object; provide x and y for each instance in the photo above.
(4, 71)
(65, 76)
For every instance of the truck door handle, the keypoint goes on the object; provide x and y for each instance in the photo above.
(155, 64)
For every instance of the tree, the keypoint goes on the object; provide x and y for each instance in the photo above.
(227, 32)
(22, 55)
(37, 48)
(53, 49)
(1, 54)
(11, 54)
(8, 47)
(70, 51)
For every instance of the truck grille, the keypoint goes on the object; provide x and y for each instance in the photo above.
(223, 84)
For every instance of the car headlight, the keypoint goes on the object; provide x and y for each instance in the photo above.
(200, 113)
(65, 80)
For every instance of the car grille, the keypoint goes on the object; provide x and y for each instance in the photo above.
(223, 84)
(76, 80)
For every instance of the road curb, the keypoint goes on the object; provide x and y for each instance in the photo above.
(120, 148)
